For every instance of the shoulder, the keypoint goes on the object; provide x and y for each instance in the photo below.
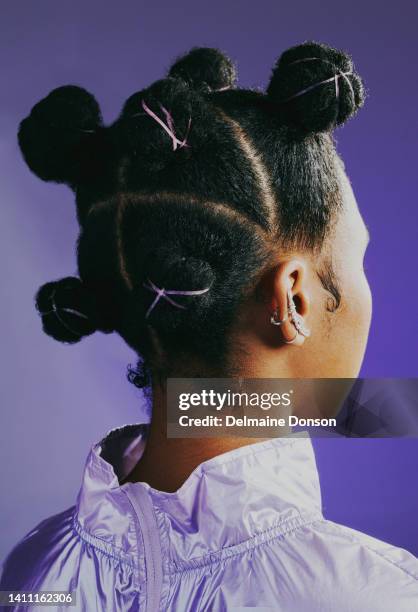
(59, 555)
(392, 558)
(375, 574)
(32, 558)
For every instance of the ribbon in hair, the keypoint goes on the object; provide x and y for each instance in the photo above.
(169, 126)
(334, 78)
(165, 293)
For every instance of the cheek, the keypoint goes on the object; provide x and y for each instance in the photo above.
(368, 298)
(345, 331)
(361, 306)
(354, 325)
(356, 298)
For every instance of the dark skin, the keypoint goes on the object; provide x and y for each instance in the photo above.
(341, 336)
(157, 467)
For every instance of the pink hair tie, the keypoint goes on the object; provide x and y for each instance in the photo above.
(56, 311)
(334, 78)
(165, 293)
(169, 126)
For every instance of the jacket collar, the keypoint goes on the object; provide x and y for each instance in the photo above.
(225, 500)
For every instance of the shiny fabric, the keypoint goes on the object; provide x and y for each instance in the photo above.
(245, 531)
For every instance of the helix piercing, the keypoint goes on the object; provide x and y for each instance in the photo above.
(293, 339)
(274, 319)
(296, 318)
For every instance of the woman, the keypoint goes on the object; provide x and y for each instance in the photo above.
(219, 237)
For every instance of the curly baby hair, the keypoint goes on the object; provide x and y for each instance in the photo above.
(184, 199)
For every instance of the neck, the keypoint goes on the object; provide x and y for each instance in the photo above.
(167, 462)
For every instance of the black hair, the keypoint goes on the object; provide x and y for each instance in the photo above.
(194, 187)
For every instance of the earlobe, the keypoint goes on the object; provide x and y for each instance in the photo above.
(290, 302)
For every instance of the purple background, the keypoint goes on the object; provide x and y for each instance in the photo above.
(56, 399)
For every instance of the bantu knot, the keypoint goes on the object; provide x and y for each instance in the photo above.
(160, 126)
(205, 68)
(316, 87)
(68, 309)
(57, 139)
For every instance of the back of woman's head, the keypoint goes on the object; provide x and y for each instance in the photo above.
(185, 198)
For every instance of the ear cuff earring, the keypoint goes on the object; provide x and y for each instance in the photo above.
(274, 320)
(294, 316)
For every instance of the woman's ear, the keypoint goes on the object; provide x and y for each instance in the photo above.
(290, 301)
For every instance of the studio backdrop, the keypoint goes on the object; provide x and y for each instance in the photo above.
(56, 400)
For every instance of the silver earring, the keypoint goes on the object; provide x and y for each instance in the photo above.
(274, 319)
(296, 318)
(291, 341)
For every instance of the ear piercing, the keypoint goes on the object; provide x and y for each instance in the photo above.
(294, 316)
(293, 339)
(274, 320)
